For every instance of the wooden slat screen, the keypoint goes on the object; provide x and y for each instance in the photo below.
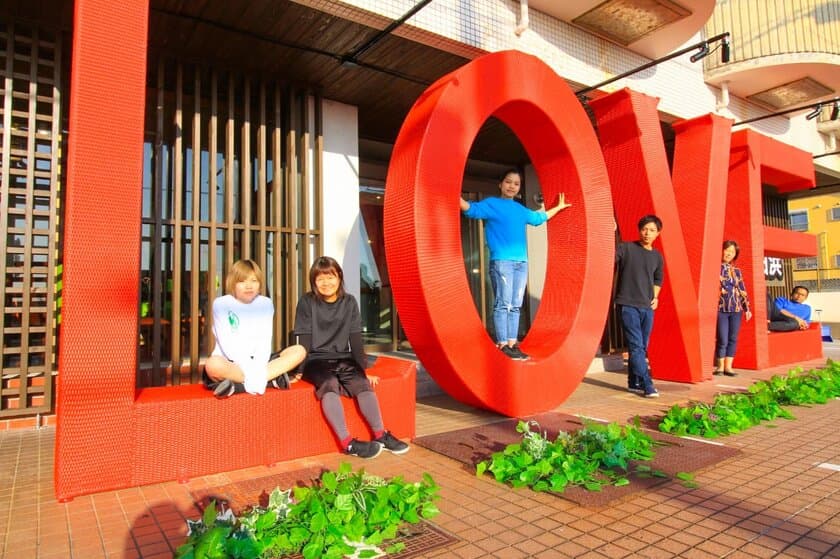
(30, 206)
(233, 170)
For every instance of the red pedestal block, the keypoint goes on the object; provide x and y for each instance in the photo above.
(792, 348)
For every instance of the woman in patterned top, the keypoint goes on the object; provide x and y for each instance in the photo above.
(733, 301)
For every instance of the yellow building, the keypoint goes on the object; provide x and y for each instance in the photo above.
(819, 215)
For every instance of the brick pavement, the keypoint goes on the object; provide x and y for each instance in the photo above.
(777, 498)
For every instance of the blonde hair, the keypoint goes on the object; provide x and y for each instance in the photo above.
(240, 271)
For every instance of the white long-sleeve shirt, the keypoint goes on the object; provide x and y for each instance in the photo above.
(243, 336)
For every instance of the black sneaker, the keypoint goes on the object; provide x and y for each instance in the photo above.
(281, 382)
(392, 444)
(522, 355)
(363, 449)
(513, 354)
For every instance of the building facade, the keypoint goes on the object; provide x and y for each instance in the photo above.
(265, 132)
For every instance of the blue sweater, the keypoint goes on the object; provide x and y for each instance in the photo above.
(801, 310)
(504, 226)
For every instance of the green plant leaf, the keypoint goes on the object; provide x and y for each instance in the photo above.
(209, 516)
(429, 510)
(185, 551)
(328, 480)
(312, 550)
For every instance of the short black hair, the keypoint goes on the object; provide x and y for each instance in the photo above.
(510, 171)
(326, 265)
(795, 287)
(650, 218)
(730, 243)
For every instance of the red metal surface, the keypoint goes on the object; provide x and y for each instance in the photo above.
(423, 245)
(183, 432)
(180, 432)
(756, 160)
(108, 437)
(701, 163)
(105, 438)
(784, 243)
(794, 347)
(98, 347)
(631, 138)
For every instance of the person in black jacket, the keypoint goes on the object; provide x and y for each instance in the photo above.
(640, 272)
(328, 325)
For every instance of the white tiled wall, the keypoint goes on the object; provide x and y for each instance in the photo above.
(473, 27)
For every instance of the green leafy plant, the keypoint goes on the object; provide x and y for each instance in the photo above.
(345, 513)
(733, 413)
(592, 457)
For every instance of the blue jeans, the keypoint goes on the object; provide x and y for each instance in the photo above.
(637, 324)
(509, 278)
(728, 326)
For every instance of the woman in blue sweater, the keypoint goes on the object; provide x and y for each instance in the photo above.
(505, 221)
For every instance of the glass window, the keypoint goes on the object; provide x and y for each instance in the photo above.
(806, 263)
(799, 220)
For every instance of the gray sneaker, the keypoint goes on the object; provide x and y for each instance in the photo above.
(363, 449)
(392, 444)
(224, 388)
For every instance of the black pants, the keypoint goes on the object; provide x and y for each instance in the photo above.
(342, 376)
(778, 321)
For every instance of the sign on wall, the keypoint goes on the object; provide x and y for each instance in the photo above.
(774, 273)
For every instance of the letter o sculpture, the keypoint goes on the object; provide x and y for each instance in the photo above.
(423, 241)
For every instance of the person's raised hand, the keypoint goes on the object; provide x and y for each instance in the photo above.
(561, 202)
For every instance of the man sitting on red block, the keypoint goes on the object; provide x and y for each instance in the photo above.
(787, 314)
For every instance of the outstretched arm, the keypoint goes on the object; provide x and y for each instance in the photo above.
(561, 205)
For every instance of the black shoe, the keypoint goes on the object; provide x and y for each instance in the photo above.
(224, 388)
(730, 373)
(363, 449)
(636, 389)
(281, 382)
(513, 354)
(522, 354)
(717, 372)
(392, 444)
